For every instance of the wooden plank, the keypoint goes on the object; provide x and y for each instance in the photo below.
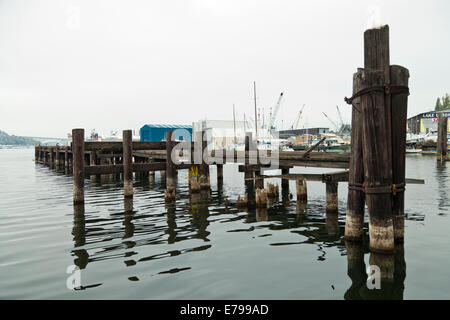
(310, 149)
(117, 145)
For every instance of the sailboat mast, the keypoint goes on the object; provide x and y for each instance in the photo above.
(234, 125)
(256, 113)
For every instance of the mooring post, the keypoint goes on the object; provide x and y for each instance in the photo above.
(219, 173)
(52, 156)
(170, 192)
(285, 185)
(78, 165)
(36, 153)
(331, 196)
(302, 191)
(196, 159)
(248, 173)
(127, 163)
(399, 109)
(377, 140)
(354, 219)
(66, 156)
(205, 183)
(442, 138)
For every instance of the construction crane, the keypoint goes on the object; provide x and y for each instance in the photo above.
(334, 123)
(340, 118)
(297, 121)
(275, 111)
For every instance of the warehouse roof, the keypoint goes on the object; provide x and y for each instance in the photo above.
(176, 126)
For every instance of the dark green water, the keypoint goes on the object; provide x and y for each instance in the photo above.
(199, 248)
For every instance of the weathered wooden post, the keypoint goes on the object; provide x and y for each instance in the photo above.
(127, 163)
(205, 183)
(399, 102)
(170, 192)
(219, 173)
(52, 156)
(66, 156)
(302, 191)
(259, 183)
(354, 220)
(442, 138)
(36, 153)
(331, 196)
(248, 172)
(78, 165)
(377, 139)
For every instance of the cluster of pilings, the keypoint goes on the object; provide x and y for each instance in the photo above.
(127, 157)
(377, 163)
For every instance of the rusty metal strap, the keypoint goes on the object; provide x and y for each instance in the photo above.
(394, 188)
(386, 89)
(356, 186)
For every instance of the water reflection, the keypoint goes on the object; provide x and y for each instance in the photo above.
(393, 273)
(442, 178)
(126, 233)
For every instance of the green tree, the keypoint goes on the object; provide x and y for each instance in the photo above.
(446, 102)
(442, 103)
(438, 105)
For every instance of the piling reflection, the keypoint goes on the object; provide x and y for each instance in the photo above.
(79, 236)
(392, 273)
(442, 179)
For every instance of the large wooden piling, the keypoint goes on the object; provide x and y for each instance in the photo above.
(127, 163)
(399, 108)
(377, 140)
(354, 219)
(78, 165)
(170, 193)
(66, 156)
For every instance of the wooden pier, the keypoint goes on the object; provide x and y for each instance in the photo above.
(374, 170)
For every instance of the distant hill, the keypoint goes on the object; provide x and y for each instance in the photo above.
(6, 139)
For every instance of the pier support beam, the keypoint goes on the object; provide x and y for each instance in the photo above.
(205, 183)
(127, 163)
(259, 183)
(66, 157)
(78, 165)
(249, 184)
(170, 192)
(302, 192)
(331, 197)
(285, 186)
(219, 173)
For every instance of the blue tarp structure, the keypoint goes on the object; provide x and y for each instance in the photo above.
(157, 132)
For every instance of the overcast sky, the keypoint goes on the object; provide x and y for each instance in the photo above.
(120, 64)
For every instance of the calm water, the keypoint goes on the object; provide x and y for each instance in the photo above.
(199, 248)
